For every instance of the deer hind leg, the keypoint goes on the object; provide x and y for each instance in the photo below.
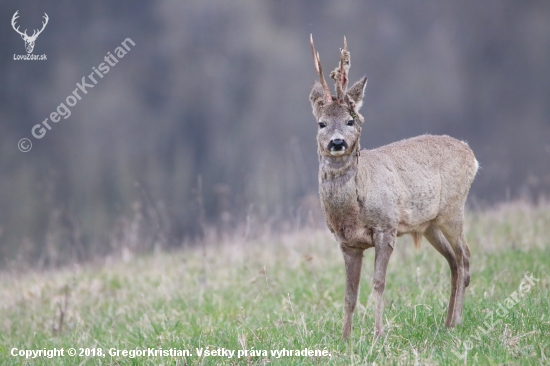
(466, 262)
(454, 233)
(384, 242)
(353, 259)
(465, 250)
(436, 238)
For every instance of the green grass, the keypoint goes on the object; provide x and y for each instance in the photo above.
(287, 292)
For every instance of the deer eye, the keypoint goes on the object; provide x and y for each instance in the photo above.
(322, 124)
(350, 122)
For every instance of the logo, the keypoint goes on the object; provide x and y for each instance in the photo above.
(29, 40)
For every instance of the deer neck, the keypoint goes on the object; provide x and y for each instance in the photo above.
(340, 198)
(337, 182)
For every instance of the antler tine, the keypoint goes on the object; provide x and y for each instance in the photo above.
(344, 66)
(319, 69)
(13, 19)
(340, 74)
(313, 52)
(46, 18)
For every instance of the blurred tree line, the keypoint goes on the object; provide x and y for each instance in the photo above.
(212, 105)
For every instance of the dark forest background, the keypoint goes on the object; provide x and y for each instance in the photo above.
(212, 105)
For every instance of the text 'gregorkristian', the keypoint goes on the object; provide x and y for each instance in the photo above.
(83, 87)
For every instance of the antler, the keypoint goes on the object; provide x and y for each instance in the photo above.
(319, 69)
(340, 74)
(13, 19)
(35, 34)
(24, 34)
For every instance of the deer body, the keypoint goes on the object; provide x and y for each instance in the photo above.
(402, 186)
(416, 186)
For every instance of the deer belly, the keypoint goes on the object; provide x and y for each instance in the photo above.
(404, 228)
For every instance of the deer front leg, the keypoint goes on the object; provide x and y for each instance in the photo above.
(353, 259)
(384, 242)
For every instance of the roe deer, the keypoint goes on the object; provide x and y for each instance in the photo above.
(416, 186)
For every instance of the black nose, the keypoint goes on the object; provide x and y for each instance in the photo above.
(337, 144)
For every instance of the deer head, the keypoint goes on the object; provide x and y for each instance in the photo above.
(29, 40)
(337, 116)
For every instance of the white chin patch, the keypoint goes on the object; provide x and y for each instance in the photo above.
(337, 153)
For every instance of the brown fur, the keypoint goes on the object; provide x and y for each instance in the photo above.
(416, 186)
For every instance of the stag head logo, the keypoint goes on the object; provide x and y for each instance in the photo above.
(29, 40)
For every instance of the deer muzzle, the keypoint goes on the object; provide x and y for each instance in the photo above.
(337, 147)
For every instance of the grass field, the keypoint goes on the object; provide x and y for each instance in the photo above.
(287, 292)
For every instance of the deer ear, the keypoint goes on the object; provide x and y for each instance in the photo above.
(317, 99)
(357, 91)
